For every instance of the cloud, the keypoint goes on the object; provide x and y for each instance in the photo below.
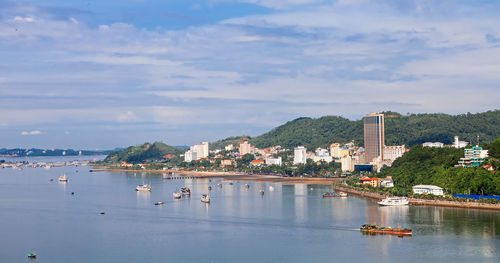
(35, 132)
(24, 19)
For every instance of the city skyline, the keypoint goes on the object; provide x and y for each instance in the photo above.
(95, 74)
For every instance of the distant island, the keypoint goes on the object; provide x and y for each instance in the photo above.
(33, 152)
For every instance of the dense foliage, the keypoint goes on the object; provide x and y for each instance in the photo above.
(142, 153)
(435, 166)
(400, 129)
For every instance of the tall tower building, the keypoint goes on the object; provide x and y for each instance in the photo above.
(374, 136)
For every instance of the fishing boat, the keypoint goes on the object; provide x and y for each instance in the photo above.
(271, 188)
(205, 198)
(31, 255)
(185, 191)
(261, 192)
(394, 201)
(374, 229)
(144, 187)
(159, 203)
(209, 188)
(63, 178)
(335, 194)
(177, 195)
(219, 185)
(247, 186)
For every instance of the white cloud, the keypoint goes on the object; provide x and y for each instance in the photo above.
(35, 132)
(24, 19)
(127, 116)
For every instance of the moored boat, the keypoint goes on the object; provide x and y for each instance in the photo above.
(185, 191)
(31, 255)
(159, 203)
(177, 195)
(144, 187)
(394, 201)
(63, 178)
(367, 228)
(205, 198)
(335, 194)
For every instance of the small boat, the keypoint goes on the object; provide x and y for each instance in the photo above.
(177, 195)
(102, 213)
(205, 198)
(335, 194)
(394, 201)
(31, 255)
(371, 229)
(209, 188)
(219, 185)
(185, 191)
(230, 183)
(159, 203)
(261, 192)
(144, 187)
(271, 188)
(63, 178)
(247, 186)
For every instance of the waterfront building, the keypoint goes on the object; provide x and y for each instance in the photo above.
(433, 144)
(374, 136)
(473, 157)
(299, 155)
(391, 153)
(428, 189)
(387, 182)
(459, 144)
(245, 148)
(347, 164)
(189, 156)
(374, 182)
(226, 162)
(322, 155)
(273, 161)
(198, 151)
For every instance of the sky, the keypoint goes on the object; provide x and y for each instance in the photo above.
(103, 74)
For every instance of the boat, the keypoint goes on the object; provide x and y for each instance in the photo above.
(247, 186)
(261, 192)
(63, 178)
(177, 195)
(394, 201)
(159, 203)
(209, 188)
(335, 194)
(219, 185)
(144, 187)
(31, 255)
(230, 183)
(205, 198)
(374, 229)
(271, 188)
(185, 191)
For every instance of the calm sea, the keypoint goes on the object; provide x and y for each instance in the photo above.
(293, 223)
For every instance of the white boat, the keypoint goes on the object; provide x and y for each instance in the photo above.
(159, 203)
(185, 191)
(144, 187)
(271, 188)
(177, 195)
(205, 198)
(342, 194)
(394, 201)
(63, 178)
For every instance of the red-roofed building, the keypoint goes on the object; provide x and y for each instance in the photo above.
(257, 163)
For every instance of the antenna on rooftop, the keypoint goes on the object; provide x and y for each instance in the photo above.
(477, 140)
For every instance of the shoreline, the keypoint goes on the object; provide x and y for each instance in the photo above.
(417, 201)
(231, 176)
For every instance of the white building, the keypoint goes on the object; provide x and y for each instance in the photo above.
(322, 155)
(245, 148)
(386, 183)
(335, 150)
(433, 144)
(347, 164)
(391, 153)
(189, 156)
(273, 161)
(459, 144)
(229, 147)
(428, 189)
(299, 155)
(197, 152)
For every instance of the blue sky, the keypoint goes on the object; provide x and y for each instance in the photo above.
(104, 74)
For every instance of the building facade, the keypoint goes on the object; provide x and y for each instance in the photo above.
(347, 164)
(391, 153)
(428, 189)
(299, 155)
(473, 157)
(433, 144)
(374, 136)
(273, 161)
(245, 148)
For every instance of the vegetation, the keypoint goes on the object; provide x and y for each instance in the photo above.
(435, 166)
(400, 129)
(142, 153)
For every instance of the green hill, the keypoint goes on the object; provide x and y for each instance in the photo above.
(400, 129)
(142, 153)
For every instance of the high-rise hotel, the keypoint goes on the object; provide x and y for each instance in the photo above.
(374, 136)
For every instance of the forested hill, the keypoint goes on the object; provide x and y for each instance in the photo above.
(399, 129)
(142, 153)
